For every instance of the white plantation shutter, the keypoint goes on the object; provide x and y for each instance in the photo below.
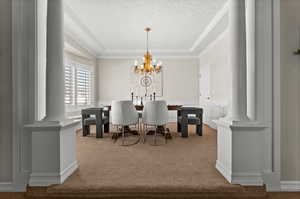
(69, 85)
(78, 85)
(83, 86)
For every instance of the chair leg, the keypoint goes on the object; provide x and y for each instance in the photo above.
(199, 130)
(123, 135)
(99, 131)
(178, 127)
(86, 130)
(155, 133)
(106, 128)
(184, 130)
(165, 129)
(144, 133)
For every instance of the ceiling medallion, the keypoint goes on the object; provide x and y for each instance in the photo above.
(148, 65)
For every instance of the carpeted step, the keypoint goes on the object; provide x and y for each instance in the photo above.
(247, 193)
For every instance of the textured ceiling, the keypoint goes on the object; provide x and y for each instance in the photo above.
(117, 26)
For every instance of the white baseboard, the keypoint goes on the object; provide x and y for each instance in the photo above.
(6, 187)
(19, 185)
(245, 179)
(43, 179)
(223, 170)
(46, 179)
(211, 124)
(172, 120)
(68, 171)
(10, 187)
(272, 181)
(290, 186)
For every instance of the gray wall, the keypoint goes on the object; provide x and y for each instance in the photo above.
(290, 93)
(5, 92)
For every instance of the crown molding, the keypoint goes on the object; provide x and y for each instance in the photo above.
(73, 16)
(109, 57)
(116, 51)
(77, 44)
(214, 22)
(211, 44)
(139, 52)
(134, 54)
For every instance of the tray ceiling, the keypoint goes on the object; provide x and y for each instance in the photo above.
(116, 27)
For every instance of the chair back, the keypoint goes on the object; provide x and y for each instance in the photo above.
(155, 113)
(123, 113)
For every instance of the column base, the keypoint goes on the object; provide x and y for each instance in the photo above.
(241, 150)
(39, 179)
(53, 153)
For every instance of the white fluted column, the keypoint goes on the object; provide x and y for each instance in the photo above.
(237, 135)
(238, 60)
(251, 77)
(55, 105)
(53, 151)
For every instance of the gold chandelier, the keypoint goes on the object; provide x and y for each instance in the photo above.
(149, 65)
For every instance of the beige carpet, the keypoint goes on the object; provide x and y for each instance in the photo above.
(184, 168)
(183, 164)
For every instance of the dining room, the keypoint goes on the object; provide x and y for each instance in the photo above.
(149, 98)
(143, 65)
(135, 90)
(143, 94)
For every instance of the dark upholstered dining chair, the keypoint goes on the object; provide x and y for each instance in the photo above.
(184, 118)
(101, 119)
